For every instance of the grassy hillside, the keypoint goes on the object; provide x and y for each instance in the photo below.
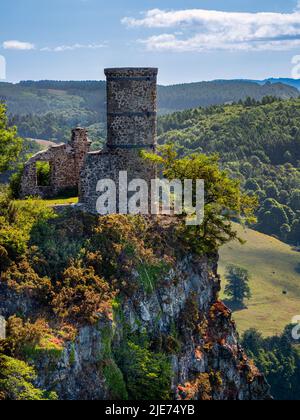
(274, 268)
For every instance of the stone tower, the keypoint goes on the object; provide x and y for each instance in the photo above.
(131, 108)
(131, 127)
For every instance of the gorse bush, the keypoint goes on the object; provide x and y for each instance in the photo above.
(17, 221)
(81, 295)
(23, 336)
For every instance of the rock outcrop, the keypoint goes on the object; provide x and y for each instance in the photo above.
(206, 363)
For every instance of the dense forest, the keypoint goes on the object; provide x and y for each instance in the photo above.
(49, 109)
(185, 96)
(57, 127)
(259, 144)
(279, 358)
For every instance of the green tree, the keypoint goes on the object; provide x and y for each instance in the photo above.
(16, 382)
(237, 287)
(224, 200)
(295, 232)
(253, 340)
(10, 143)
(279, 359)
(147, 374)
(285, 231)
(295, 200)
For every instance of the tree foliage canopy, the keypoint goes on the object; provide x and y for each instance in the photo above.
(237, 287)
(10, 143)
(224, 200)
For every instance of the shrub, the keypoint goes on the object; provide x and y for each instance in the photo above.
(23, 279)
(15, 182)
(147, 374)
(27, 340)
(81, 295)
(16, 382)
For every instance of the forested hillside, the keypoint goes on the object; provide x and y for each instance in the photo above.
(258, 143)
(49, 109)
(185, 96)
(287, 81)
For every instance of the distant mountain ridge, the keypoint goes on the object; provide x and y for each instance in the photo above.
(49, 109)
(73, 96)
(219, 92)
(290, 82)
(295, 83)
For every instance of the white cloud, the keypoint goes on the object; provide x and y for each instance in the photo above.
(204, 30)
(62, 48)
(18, 45)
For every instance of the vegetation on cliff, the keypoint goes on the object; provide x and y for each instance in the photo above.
(75, 266)
(66, 270)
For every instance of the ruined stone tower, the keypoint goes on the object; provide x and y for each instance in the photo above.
(65, 162)
(131, 108)
(131, 127)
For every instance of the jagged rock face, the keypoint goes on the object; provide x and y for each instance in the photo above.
(77, 375)
(209, 365)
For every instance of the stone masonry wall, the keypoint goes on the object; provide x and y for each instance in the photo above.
(2, 328)
(66, 162)
(131, 127)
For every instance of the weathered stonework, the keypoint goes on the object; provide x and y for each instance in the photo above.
(66, 162)
(2, 328)
(131, 127)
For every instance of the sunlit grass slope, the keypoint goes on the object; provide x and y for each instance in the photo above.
(275, 270)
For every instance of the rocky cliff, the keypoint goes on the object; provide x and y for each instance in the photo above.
(163, 332)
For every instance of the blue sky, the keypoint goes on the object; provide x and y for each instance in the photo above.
(188, 40)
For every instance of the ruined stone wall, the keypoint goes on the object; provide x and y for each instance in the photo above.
(66, 162)
(2, 328)
(131, 127)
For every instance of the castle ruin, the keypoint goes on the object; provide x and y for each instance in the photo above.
(65, 164)
(131, 127)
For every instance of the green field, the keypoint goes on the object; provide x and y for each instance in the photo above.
(274, 268)
(52, 202)
(61, 201)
